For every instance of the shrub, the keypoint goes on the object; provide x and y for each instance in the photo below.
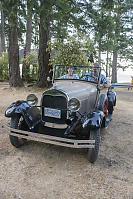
(4, 74)
(30, 67)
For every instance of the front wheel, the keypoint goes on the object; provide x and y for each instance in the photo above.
(93, 152)
(17, 122)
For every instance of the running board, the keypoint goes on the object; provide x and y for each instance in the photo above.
(121, 85)
(51, 139)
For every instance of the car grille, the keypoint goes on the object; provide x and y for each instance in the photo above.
(55, 102)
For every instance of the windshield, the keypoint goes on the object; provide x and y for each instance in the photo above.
(84, 73)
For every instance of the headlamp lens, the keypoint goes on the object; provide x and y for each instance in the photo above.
(32, 99)
(74, 104)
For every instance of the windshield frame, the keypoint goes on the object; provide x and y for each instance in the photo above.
(75, 66)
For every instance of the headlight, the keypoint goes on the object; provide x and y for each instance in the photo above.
(74, 104)
(32, 99)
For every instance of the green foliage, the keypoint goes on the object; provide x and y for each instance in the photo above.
(4, 66)
(70, 52)
(66, 14)
(30, 67)
(108, 22)
(112, 29)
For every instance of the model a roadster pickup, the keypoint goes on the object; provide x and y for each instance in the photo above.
(70, 114)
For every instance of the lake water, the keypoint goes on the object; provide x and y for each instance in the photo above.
(124, 76)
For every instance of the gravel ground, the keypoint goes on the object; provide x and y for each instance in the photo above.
(43, 171)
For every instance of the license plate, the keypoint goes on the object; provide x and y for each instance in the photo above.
(50, 112)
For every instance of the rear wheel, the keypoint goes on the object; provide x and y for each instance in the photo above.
(93, 152)
(17, 122)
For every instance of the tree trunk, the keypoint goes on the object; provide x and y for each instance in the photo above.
(116, 46)
(13, 51)
(99, 57)
(28, 36)
(43, 58)
(27, 48)
(110, 65)
(107, 63)
(99, 52)
(0, 44)
(3, 46)
(114, 67)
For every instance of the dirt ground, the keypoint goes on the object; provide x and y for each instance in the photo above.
(43, 171)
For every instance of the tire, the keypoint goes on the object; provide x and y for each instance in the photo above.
(17, 123)
(93, 152)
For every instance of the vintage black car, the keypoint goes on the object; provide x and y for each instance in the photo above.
(70, 114)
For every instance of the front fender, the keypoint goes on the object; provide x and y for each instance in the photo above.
(17, 107)
(93, 120)
(31, 114)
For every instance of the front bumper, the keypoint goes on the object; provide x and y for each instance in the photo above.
(72, 143)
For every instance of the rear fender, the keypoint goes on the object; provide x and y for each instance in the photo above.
(112, 97)
(31, 114)
(111, 101)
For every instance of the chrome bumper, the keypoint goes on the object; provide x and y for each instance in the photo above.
(52, 139)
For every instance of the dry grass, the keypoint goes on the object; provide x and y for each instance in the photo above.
(50, 172)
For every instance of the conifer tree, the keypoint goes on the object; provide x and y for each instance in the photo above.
(13, 50)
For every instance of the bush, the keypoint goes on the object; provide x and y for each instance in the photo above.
(4, 74)
(30, 67)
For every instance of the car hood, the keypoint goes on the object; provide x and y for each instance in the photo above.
(78, 89)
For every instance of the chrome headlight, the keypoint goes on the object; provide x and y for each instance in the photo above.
(74, 104)
(32, 100)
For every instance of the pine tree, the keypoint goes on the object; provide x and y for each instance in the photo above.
(2, 33)
(54, 14)
(13, 50)
(27, 48)
(111, 27)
